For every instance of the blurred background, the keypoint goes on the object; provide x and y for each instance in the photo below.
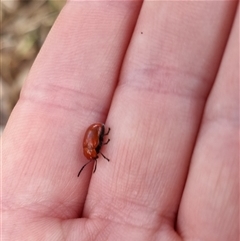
(24, 27)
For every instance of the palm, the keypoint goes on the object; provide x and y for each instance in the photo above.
(173, 153)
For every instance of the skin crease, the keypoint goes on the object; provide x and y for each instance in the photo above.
(171, 98)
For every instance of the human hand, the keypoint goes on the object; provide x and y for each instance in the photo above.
(168, 88)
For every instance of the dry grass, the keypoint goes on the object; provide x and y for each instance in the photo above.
(24, 27)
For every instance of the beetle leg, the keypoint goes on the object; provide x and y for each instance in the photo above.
(106, 142)
(107, 132)
(104, 156)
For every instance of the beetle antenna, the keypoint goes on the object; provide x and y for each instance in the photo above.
(95, 166)
(84, 166)
(104, 156)
(107, 132)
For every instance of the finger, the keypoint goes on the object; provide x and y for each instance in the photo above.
(156, 111)
(69, 87)
(210, 205)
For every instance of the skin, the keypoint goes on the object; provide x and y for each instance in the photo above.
(170, 95)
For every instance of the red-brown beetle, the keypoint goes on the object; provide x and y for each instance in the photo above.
(92, 143)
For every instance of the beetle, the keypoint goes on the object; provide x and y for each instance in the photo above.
(92, 143)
